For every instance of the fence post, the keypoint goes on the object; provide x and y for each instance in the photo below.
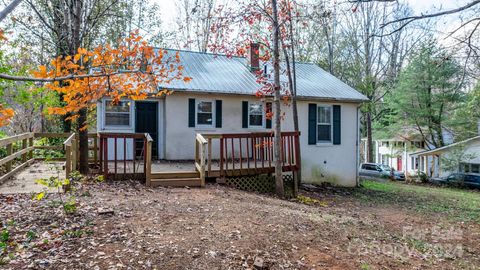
(68, 160)
(24, 146)
(95, 150)
(74, 155)
(209, 154)
(202, 163)
(148, 164)
(8, 165)
(30, 143)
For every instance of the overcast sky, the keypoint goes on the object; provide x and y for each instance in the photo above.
(419, 6)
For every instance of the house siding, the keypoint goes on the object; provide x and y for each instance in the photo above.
(471, 149)
(336, 164)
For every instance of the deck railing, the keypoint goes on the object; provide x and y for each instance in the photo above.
(20, 148)
(71, 154)
(200, 156)
(245, 153)
(120, 157)
(19, 151)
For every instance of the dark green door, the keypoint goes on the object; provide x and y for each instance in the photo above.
(146, 121)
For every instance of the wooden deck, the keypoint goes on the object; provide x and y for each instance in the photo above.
(216, 156)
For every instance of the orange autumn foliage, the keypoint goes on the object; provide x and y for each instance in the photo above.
(132, 70)
(5, 115)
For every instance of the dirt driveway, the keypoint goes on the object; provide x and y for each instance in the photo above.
(222, 228)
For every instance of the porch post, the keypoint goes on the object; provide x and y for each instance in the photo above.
(148, 164)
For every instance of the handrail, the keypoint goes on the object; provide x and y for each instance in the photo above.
(26, 149)
(9, 140)
(114, 147)
(200, 155)
(147, 136)
(249, 153)
(25, 153)
(69, 140)
(201, 139)
(148, 160)
(248, 135)
(70, 154)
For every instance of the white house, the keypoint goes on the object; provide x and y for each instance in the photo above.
(397, 152)
(462, 156)
(221, 99)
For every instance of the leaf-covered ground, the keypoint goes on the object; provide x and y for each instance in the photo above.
(128, 226)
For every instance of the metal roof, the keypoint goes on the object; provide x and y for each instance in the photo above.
(216, 73)
(444, 148)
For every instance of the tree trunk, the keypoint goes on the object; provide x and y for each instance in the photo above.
(369, 137)
(296, 127)
(278, 135)
(83, 141)
(82, 114)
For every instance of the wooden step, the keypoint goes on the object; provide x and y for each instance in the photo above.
(176, 182)
(173, 175)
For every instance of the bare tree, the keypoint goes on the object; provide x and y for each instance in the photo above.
(194, 23)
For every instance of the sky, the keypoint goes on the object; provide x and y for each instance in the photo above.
(419, 6)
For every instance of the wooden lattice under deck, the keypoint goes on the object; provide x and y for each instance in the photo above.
(263, 183)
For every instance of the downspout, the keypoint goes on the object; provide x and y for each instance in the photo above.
(357, 149)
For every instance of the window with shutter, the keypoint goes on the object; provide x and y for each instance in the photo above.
(324, 124)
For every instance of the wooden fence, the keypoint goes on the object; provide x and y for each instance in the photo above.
(18, 148)
(21, 150)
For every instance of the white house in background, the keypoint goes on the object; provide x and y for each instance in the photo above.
(397, 152)
(221, 99)
(466, 153)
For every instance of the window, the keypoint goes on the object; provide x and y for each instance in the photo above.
(369, 167)
(419, 144)
(324, 124)
(118, 114)
(475, 168)
(469, 168)
(204, 113)
(414, 163)
(255, 114)
(385, 160)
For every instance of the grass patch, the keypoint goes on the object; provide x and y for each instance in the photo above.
(458, 204)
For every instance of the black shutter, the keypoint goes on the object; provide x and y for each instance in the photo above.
(218, 113)
(312, 123)
(191, 112)
(244, 114)
(268, 123)
(337, 122)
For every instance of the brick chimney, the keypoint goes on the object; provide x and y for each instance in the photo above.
(253, 56)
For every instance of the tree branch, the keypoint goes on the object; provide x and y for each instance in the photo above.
(69, 77)
(9, 9)
(409, 19)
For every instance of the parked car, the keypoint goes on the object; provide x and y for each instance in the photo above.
(471, 180)
(374, 170)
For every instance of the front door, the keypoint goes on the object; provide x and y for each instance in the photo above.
(399, 164)
(146, 121)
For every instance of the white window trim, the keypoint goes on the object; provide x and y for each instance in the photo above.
(129, 126)
(325, 143)
(264, 120)
(211, 126)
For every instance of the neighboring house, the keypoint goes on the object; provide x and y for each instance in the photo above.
(397, 151)
(221, 99)
(462, 156)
